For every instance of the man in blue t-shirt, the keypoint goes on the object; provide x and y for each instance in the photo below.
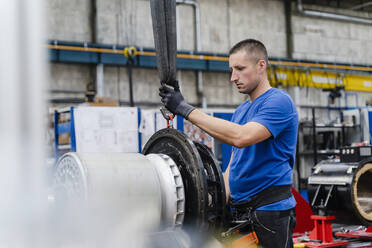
(263, 133)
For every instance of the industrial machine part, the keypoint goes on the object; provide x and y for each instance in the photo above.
(201, 174)
(101, 180)
(343, 190)
(175, 183)
(172, 190)
(358, 153)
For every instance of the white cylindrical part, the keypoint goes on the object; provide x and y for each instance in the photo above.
(106, 199)
(144, 193)
(123, 182)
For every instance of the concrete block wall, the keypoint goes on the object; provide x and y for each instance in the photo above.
(125, 22)
(330, 40)
(215, 19)
(223, 23)
(69, 20)
(262, 20)
(69, 77)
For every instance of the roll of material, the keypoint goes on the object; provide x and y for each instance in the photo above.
(349, 188)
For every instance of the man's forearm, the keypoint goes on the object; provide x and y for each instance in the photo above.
(226, 181)
(229, 132)
(225, 131)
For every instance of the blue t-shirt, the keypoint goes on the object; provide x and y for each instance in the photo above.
(270, 162)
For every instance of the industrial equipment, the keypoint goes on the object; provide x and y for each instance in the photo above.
(340, 192)
(176, 182)
(343, 188)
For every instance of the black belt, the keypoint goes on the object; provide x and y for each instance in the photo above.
(265, 197)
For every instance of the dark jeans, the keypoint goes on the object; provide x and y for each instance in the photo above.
(273, 228)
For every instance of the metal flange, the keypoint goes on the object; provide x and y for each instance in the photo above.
(202, 178)
(216, 211)
(182, 150)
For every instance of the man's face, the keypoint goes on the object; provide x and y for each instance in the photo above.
(245, 72)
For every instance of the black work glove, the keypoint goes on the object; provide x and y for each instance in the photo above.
(174, 101)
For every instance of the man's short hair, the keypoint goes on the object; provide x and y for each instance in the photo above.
(253, 47)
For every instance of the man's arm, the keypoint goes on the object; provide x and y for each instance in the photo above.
(226, 179)
(225, 131)
(229, 132)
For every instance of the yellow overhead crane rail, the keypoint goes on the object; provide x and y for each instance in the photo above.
(308, 77)
(286, 73)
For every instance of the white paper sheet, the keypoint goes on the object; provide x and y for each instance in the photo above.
(106, 129)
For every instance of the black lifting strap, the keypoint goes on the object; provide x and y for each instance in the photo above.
(163, 13)
(267, 196)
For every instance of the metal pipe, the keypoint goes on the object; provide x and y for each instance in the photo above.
(321, 14)
(360, 6)
(66, 100)
(197, 20)
(99, 79)
(130, 80)
(288, 27)
(60, 91)
(315, 148)
(97, 72)
(199, 76)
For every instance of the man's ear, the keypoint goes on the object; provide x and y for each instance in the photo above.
(262, 64)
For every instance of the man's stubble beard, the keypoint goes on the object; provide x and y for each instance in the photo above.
(249, 91)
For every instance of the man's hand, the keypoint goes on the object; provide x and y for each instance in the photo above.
(174, 101)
